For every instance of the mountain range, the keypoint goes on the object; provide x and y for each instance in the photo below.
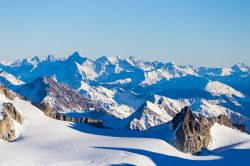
(185, 106)
(122, 87)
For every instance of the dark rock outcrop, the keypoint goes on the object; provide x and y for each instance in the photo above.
(9, 114)
(192, 130)
(8, 93)
(224, 120)
(51, 112)
(55, 99)
(11, 110)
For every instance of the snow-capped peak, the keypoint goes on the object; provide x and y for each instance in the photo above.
(114, 59)
(240, 67)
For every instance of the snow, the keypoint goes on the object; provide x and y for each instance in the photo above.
(45, 141)
(13, 80)
(160, 109)
(86, 69)
(218, 88)
(120, 81)
(154, 76)
(240, 67)
(40, 137)
(151, 116)
(223, 136)
(106, 98)
(226, 71)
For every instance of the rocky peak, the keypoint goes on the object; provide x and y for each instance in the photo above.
(76, 57)
(192, 131)
(48, 80)
(56, 96)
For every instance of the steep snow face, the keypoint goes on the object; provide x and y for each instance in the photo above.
(86, 70)
(217, 88)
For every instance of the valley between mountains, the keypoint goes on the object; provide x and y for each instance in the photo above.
(122, 111)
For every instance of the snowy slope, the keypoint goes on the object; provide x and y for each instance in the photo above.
(222, 137)
(217, 88)
(45, 141)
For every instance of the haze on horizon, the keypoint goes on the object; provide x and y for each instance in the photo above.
(200, 33)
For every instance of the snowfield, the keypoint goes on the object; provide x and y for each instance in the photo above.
(45, 141)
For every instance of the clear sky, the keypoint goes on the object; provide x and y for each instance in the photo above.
(196, 32)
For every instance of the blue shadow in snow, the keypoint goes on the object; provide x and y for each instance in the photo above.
(230, 157)
(114, 132)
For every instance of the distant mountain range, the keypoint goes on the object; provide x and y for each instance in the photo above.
(129, 93)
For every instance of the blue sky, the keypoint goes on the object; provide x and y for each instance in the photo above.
(196, 32)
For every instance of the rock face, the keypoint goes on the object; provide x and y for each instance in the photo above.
(9, 114)
(60, 96)
(12, 112)
(58, 100)
(224, 120)
(9, 94)
(51, 112)
(192, 130)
